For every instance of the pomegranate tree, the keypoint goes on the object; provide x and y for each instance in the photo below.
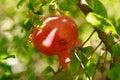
(58, 36)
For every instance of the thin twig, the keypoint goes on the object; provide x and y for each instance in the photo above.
(99, 57)
(59, 68)
(87, 39)
(82, 65)
(115, 42)
(96, 47)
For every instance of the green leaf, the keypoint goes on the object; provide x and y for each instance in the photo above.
(90, 68)
(4, 43)
(9, 56)
(65, 3)
(20, 3)
(74, 2)
(51, 8)
(116, 50)
(6, 69)
(49, 78)
(101, 23)
(81, 56)
(48, 70)
(75, 65)
(27, 24)
(111, 40)
(87, 50)
(31, 76)
(63, 75)
(30, 6)
(114, 73)
(91, 65)
(118, 26)
(90, 3)
(99, 8)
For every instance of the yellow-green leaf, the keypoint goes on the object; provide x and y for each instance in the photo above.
(101, 23)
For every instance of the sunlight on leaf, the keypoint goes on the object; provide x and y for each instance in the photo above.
(101, 23)
(91, 65)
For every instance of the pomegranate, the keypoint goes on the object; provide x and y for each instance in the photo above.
(58, 36)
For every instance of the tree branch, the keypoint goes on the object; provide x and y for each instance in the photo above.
(104, 37)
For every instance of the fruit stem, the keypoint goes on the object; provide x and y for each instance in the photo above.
(65, 58)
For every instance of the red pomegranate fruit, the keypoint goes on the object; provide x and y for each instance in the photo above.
(58, 36)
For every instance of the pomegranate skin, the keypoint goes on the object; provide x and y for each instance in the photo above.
(58, 36)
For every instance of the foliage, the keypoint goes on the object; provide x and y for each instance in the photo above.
(96, 57)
